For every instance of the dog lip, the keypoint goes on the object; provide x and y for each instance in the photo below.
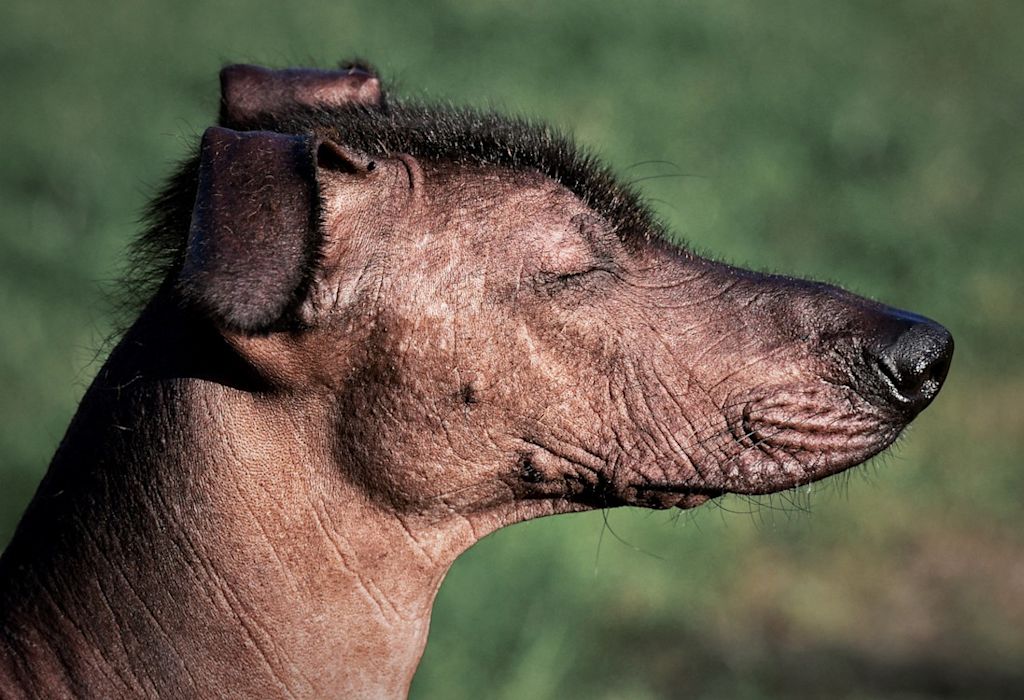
(693, 500)
(689, 496)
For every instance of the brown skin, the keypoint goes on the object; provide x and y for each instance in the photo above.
(270, 514)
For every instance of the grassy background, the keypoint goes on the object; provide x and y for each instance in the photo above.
(876, 144)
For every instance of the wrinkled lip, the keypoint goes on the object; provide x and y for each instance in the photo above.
(682, 497)
(693, 500)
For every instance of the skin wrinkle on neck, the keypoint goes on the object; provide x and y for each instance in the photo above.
(215, 541)
(394, 608)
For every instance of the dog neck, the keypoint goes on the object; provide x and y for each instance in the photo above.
(164, 555)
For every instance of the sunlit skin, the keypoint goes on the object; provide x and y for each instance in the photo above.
(382, 333)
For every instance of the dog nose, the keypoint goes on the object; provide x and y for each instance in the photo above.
(914, 362)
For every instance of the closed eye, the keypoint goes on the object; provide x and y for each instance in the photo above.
(593, 262)
(606, 268)
(588, 278)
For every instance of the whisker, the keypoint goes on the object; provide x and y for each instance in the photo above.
(607, 524)
(663, 176)
(600, 538)
(653, 162)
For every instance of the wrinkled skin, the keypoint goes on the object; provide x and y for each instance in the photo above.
(583, 371)
(263, 493)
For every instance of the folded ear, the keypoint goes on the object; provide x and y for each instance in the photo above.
(255, 234)
(247, 92)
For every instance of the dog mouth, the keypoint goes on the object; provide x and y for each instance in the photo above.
(778, 442)
(790, 438)
(779, 439)
(648, 495)
(684, 498)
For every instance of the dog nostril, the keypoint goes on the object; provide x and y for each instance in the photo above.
(915, 363)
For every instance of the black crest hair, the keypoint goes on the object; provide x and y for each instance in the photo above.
(438, 134)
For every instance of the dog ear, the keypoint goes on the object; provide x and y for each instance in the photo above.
(249, 92)
(255, 235)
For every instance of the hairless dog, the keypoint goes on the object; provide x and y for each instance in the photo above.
(376, 332)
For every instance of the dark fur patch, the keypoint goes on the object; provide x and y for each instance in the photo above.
(435, 134)
(461, 136)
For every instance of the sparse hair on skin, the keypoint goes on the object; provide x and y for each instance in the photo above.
(433, 133)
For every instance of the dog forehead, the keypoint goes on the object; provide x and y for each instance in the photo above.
(462, 193)
(451, 136)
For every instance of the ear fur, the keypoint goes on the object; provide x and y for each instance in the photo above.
(248, 92)
(255, 233)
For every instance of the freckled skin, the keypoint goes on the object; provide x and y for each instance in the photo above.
(270, 512)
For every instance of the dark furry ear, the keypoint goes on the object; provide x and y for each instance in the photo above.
(255, 233)
(247, 92)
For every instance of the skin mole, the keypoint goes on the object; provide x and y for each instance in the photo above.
(528, 469)
(468, 394)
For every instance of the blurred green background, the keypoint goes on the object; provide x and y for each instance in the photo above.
(876, 144)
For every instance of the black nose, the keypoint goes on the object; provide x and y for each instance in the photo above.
(913, 363)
